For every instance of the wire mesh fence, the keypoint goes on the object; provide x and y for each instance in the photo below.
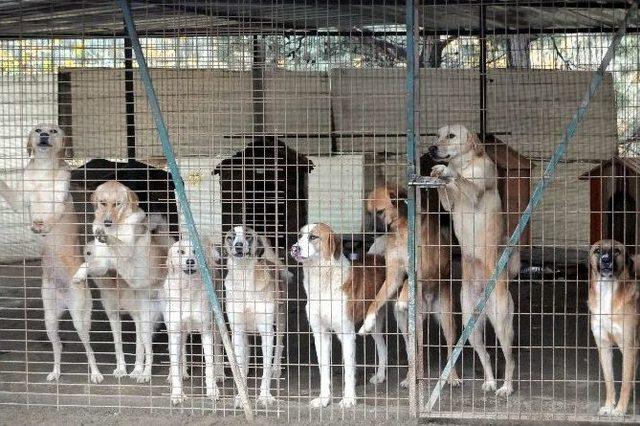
(289, 124)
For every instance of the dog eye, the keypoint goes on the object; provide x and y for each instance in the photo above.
(53, 131)
(38, 130)
(181, 252)
(616, 251)
(103, 204)
(596, 251)
(313, 237)
(451, 136)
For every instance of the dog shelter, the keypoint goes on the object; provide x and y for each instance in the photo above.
(286, 112)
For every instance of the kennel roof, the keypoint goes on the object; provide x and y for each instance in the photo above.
(158, 18)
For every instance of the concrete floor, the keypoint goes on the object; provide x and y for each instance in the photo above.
(557, 374)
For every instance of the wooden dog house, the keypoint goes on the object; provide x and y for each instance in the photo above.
(614, 191)
(265, 187)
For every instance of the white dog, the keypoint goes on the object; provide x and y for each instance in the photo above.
(338, 295)
(46, 195)
(125, 244)
(254, 288)
(187, 310)
(471, 195)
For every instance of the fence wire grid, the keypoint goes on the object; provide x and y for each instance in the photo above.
(289, 124)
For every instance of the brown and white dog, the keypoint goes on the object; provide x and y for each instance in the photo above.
(338, 295)
(471, 195)
(614, 305)
(45, 192)
(126, 245)
(254, 290)
(387, 206)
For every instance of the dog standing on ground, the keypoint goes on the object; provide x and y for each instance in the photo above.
(389, 211)
(187, 310)
(46, 195)
(254, 290)
(471, 195)
(614, 305)
(338, 295)
(125, 244)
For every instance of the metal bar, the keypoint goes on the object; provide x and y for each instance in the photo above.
(483, 71)
(163, 134)
(315, 135)
(129, 99)
(257, 85)
(413, 99)
(234, 30)
(534, 201)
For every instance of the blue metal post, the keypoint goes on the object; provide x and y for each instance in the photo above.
(413, 133)
(536, 198)
(184, 205)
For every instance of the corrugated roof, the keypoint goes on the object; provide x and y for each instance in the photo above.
(73, 18)
(626, 162)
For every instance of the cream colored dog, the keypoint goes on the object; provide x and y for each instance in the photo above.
(254, 289)
(45, 192)
(471, 195)
(187, 310)
(125, 244)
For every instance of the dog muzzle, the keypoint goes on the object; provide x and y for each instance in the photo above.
(296, 253)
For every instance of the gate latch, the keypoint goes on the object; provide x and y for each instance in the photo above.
(425, 181)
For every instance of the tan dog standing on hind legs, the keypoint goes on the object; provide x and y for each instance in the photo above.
(125, 244)
(46, 195)
(614, 305)
(471, 195)
(389, 211)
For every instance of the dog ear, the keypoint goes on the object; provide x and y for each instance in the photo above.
(132, 198)
(259, 245)
(332, 247)
(474, 141)
(29, 146)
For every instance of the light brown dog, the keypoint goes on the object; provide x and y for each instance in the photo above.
(45, 193)
(471, 195)
(126, 245)
(615, 311)
(387, 206)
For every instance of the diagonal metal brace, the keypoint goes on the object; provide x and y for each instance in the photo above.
(167, 149)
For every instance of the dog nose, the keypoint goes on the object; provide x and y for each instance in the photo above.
(44, 138)
(295, 249)
(191, 262)
(433, 150)
(108, 223)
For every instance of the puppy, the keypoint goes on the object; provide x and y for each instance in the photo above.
(338, 295)
(389, 212)
(471, 195)
(45, 192)
(187, 310)
(254, 288)
(125, 245)
(615, 310)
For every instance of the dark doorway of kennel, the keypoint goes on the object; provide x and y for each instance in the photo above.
(265, 187)
(621, 216)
